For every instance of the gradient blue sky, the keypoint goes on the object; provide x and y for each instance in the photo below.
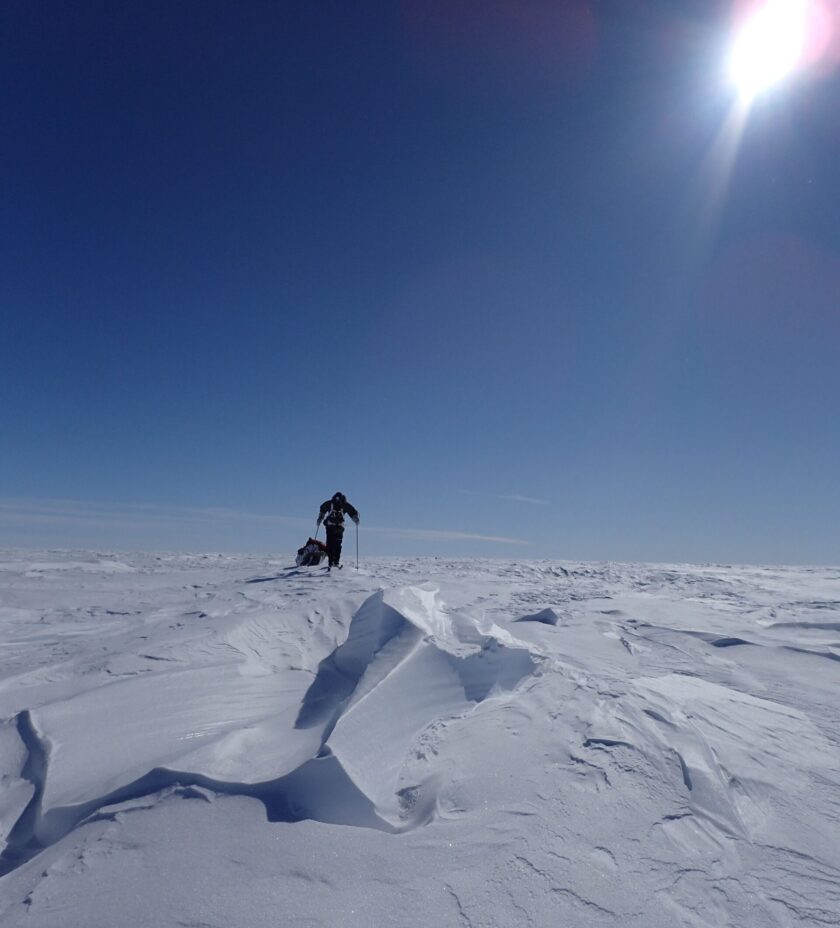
(483, 266)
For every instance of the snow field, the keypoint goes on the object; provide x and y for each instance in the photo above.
(223, 740)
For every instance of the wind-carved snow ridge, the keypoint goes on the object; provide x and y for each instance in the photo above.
(407, 663)
(731, 749)
(31, 757)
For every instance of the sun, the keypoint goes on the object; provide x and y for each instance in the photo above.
(769, 46)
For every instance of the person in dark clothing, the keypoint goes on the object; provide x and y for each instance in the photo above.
(332, 514)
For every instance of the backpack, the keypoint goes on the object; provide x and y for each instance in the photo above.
(335, 517)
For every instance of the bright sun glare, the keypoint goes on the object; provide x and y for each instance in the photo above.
(769, 46)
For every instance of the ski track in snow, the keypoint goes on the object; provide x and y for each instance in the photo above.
(234, 741)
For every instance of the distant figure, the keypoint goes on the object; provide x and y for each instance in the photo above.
(332, 515)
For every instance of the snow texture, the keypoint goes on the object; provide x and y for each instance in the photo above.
(229, 741)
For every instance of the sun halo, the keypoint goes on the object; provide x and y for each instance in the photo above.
(769, 46)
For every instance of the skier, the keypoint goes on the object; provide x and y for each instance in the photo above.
(332, 514)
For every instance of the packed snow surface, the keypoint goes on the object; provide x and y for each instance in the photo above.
(230, 742)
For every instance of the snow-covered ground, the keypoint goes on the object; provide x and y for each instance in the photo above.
(233, 742)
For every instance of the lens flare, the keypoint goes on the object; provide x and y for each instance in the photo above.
(770, 46)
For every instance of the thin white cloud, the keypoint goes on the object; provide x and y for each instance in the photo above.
(443, 535)
(78, 512)
(131, 517)
(519, 498)
(512, 497)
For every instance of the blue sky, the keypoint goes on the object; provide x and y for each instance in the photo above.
(494, 270)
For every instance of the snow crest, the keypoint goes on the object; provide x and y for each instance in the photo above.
(407, 663)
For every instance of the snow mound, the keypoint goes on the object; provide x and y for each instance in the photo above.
(17, 790)
(544, 617)
(407, 663)
(731, 749)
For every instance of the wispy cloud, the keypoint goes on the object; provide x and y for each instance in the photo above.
(79, 512)
(519, 498)
(443, 535)
(511, 497)
(156, 521)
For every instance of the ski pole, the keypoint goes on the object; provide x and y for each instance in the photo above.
(357, 546)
